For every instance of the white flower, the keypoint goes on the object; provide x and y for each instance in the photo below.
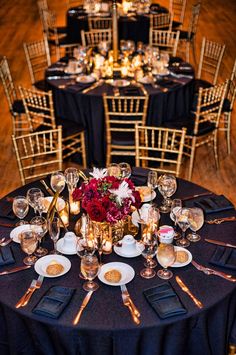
(98, 173)
(122, 192)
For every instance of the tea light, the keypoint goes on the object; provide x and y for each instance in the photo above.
(64, 214)
(107, 247)
(75, 207)
(98, 61)
(124, 71)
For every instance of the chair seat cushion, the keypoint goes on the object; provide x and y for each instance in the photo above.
(18, 107)
(41, 85)
(199, 83)
(69, 127)
(186, 35)
(123, 138)
(226, 106)
(62, 30)
(176, 24)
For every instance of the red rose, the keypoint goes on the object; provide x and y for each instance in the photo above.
(77, 194)
(96, 211)
(137, 197)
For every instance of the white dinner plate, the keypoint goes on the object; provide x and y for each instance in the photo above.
(60, 205)
(14, 235)
(177, 264)
(120, 252)
(119, 83)
(127, 273)
(60, 243)
(85, 79)
(149, 197)
(41, 264)
(77, 71)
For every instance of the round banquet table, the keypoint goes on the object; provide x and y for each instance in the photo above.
(106, 326)
(170, 101)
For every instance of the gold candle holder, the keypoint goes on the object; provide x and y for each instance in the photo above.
(64, 214)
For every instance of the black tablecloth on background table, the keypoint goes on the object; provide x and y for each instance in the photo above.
(106, 327)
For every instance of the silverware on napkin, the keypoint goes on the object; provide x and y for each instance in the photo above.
(217, 242)
(35, 284)
(82, 307)
(15, 269)
(186, 289)
(196, 195)
(209, 271)
(126, 294)
(221, 220)
(126, 302)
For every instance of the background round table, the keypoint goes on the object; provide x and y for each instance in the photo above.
(106, 326)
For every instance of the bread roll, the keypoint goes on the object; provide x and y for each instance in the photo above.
(54, 269)
(113, 276)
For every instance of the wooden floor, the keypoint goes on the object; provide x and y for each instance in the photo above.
(20, 23)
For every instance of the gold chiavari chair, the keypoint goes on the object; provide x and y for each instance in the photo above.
(40, 113)
(159, 148)
(188, 37)
(38, 60)
(161, 21)
(71, 3)
(166, 40)
(42, 5)
(16, 107)
(177, 8)
(99, 23)
(121, 115)
(228, 105)
(94, 37)
(38, 153)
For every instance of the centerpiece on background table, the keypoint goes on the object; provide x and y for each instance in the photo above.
(108, 202)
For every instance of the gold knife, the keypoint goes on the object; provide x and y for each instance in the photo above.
(221, 220)
(196, 195)
(82, 307)
(217, 242)
(16, 269)
(186, 289)
(94, 86)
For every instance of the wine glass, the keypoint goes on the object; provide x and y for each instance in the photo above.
(54, 231)
(125, 170)
(57, 181)
(28, 242)
(113, 169)
(183, 216)
(71, 178)
(196, 223)
(85, 246)
(166, 257)
(20, 208)
(89, 268)
(34, 195)
(152, 181)
(175, 207)
(39, 226)
(167, 186)
(148, 246)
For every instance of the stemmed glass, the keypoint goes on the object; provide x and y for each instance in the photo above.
(54, 232)
(34, 197)
(113, 169)
(58, 181)
(28, 242)
(20, 208)
(166, 257)
(196, 223)
(152, 181)
(71, 178)
(152, 223)
(148, 247)
(167, 186)
(125, 170)
(84, 246)
(183, 216)
(39, 226)
(175, 207)
(89, 268)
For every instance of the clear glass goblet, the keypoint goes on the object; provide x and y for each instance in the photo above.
(183, 216)
(196, 223)
(89, 268)
(152, 226)
(167, 186)
(71, 178)
(33, 196)
(125, 170)
(58, 181)
(113, 169)
(20, 208)
(40, 226)
(85, 246)
(175, 207)
(54, 232)
(148, 246)
(152, 181)
(28, 242)
(166, 257)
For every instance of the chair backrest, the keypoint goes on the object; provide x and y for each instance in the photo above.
(42, 5)
(39, 108)
(38, 154)
(94, 37)
(231, 93)
(99, 23)
(209, 105)
(7, 82)
(210, 59)
(48, 19)
(38, 59)
(192, 28)
(166, 40)
(159, 148)
(161, 21)
(177, 8)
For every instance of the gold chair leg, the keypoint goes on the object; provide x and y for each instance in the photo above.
(194, 50)
(192, 156)
(216, 150)
(228, 118)
(84, 162)
(187, 51)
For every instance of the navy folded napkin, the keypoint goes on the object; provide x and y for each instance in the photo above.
(170, 84)
(77, 87)
(54, 301)
(6, 211)
(164, 301)
(130, 91)
(139, 176)
(6, 256)
(225, 257)
(214, 204)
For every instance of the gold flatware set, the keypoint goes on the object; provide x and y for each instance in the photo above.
(82, 307)
(186, 290)
(221, 220)
(35, 285)
(129, 303)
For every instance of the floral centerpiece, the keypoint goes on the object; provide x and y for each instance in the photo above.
(107, 198)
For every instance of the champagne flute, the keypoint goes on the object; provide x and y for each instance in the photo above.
(40, 227)
(175, 207)
(148, 247)
(54, 231)
(167, 186)
(125, 170)
(196, 223)
(57, 181)
(152, 223)
(33, 196)
(89, 268)
(166, 257)
(20, 208)
(183, 222)
(152, 181)
(28, 242)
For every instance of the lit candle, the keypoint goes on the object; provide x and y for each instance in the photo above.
(74, 207)
(107, 247)
(124, 71)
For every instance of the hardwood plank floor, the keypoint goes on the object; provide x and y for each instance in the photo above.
(20, 23)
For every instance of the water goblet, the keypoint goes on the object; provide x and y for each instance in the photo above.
(39, 226)
(196, 223)
(166, 257)
(89, 268)
(167, 186)
(54, 231)
(34, 195)
(152, 181)
(28, 242)
(125, 170)
(175, 207)
(183, 216)
(57, 181)
(71, 178)
(148, 247)
(84, 246)
(113, 169)
(20, 208)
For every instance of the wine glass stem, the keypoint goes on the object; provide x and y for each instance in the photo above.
(54, 247)
(100, 256)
